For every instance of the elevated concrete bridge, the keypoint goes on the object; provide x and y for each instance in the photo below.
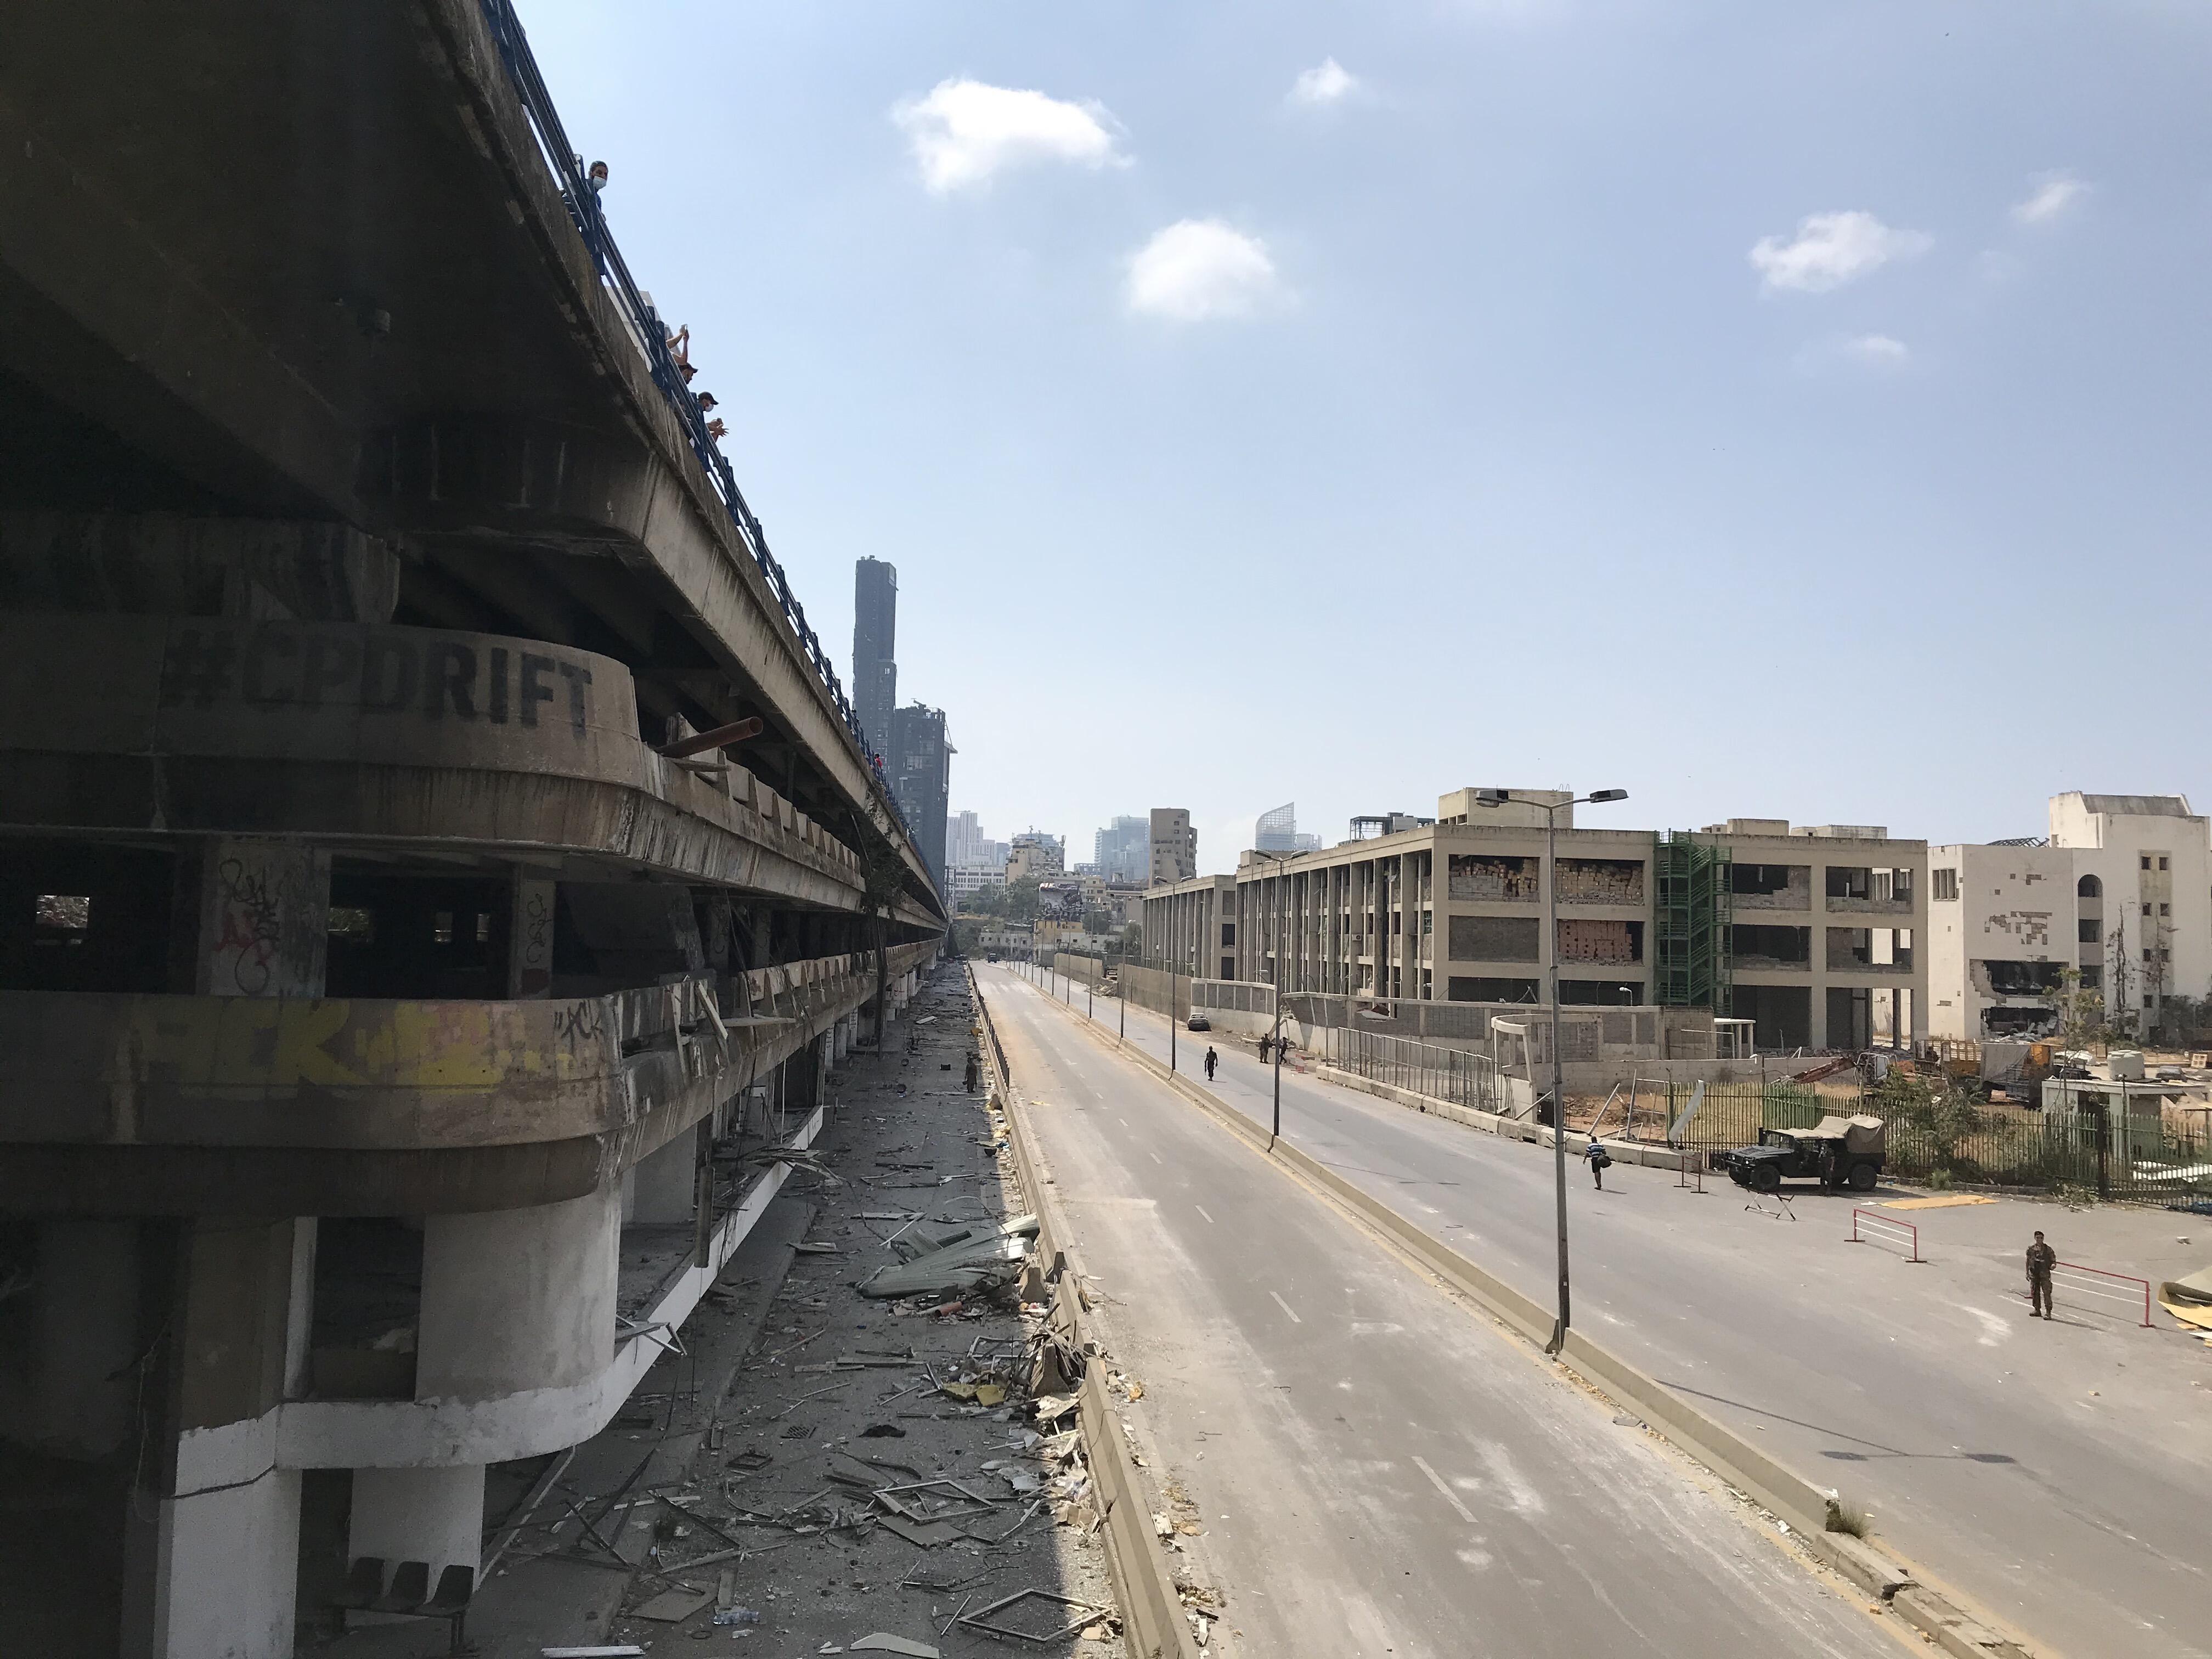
(431, 840)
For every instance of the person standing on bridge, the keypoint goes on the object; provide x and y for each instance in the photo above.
(2042, 1262)
(1211, 1059)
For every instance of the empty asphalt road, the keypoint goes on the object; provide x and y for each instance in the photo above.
(2059, 1474)
(1380, 1469)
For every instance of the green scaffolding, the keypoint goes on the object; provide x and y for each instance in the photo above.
(1695, 911)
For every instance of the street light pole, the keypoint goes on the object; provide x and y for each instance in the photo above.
(1499, 797)
(1276, 1131)
(1559, 1073)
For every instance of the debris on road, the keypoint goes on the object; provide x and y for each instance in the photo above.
(1023, 1606)
(970, 1259)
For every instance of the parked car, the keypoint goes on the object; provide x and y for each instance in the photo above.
(1198, 1022)
(1836, 1151)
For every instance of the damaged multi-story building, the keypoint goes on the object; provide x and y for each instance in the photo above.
(2118, 895)
(438, 858)
(1810, 933)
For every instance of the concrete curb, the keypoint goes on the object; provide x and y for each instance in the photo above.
(1153, 1624)
(1802, 1506)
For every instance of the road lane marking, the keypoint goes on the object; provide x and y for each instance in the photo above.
(1285, 1307)
(1201, 1208)
(1450, 1496)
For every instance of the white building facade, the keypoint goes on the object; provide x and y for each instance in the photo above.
(2121, 892)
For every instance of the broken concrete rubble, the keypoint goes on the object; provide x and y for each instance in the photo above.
(969, 1264)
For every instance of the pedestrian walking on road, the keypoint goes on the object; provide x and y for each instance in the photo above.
(1211, 1061)
(2042, 1260)
(1599, 1157)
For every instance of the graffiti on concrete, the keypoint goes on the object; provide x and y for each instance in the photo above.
(579, 1022)
(249, 928)
(534, 939)
(379, 671)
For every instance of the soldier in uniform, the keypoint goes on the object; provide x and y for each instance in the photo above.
(2041, 1260)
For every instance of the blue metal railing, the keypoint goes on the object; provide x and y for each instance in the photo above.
(645, 322)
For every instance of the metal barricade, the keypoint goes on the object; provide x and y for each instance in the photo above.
(1886, 1230)
(2095, 1281)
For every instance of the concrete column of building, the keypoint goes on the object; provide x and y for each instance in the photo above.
(213, 1567)
(211, 1561)
(663, 1186)
(530, 938)
(513, 1300)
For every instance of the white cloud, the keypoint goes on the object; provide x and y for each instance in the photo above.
(1879, 349)
(1198, 269)
(1329, 83)
(1864, 354)
(2056, 193)
(1830, 249)
(965, 131)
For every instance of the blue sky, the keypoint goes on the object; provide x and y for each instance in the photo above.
(1774, 410)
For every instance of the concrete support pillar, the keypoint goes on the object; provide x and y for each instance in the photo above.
(520, 1299)
(512, 1300)
(529, 938)
(216, 1571)
(666, 1182)
(212, 1563)
(802, 1080)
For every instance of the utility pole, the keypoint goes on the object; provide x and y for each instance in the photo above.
(1275, 1133)
(1551, 809)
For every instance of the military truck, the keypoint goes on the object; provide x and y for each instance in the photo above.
(1836, 1151)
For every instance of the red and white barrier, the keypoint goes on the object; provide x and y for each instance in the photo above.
(2095, 1281)
(1884, 1230)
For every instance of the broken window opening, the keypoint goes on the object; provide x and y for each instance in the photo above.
(65, 913)
(1754, 947)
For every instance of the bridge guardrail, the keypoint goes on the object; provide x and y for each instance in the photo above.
(651, 335)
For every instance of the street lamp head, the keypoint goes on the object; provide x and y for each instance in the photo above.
(1491, 797)
(1608, 795)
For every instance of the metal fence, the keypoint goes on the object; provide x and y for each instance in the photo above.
(1729, 1114)
(1973, 1146)
(2050, 1150)
(1447, 1074)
